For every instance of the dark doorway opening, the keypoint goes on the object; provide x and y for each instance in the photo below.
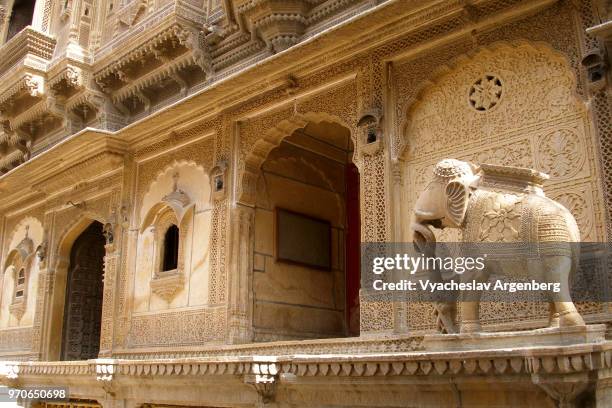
(84, 291)
(21, 17)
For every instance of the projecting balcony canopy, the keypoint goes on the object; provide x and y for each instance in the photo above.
(30, 48)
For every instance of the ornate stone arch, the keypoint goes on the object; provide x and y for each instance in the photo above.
(258, 152)
(160, 209)
(25, 221)
(59, 271)
(439, 74)
(20, 261)
(24, 240)
(535, 119)
(162, 216)
(151, 183)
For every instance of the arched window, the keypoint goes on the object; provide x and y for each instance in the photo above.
(20, 284)
(171, 249)
(21, 17)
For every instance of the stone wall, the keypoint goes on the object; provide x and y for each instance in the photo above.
(411, 81)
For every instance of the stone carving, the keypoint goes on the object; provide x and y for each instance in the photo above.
(514, 133)
(172, 210)
(500, 204)
(560, 153)
(485, 93)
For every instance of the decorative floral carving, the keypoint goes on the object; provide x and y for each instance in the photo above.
(580, 209)
(502, 219)
(560, 153)
(486, 92)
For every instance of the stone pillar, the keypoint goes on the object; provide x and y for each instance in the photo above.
(240, 274)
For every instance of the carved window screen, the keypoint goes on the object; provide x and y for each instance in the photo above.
(20, 284)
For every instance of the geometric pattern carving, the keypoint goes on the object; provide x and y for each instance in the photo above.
(16, 339)
(178, 329)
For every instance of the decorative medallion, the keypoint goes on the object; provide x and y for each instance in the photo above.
(485, 93)
(560, 154)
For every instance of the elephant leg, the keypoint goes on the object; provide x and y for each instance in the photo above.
(470, 317)
(557, 270)
(470, 306)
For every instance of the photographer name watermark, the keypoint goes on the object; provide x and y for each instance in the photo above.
(497, 285)
(497, 272)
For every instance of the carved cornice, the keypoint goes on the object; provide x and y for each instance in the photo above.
(527, 361)
(69, 79)
(101, 163)
(176, 34)
(167, 70)
(30, 84)
(37, 113)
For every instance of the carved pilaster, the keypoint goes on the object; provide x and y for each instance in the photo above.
(111, 266)
(240, 272)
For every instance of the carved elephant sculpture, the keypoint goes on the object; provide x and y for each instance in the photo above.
(500, 204)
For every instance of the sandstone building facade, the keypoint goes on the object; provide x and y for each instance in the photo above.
(153, 153)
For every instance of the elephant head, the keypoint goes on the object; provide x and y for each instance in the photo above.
(444, 201)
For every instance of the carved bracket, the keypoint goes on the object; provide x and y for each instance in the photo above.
(563, 390)
(263, 379)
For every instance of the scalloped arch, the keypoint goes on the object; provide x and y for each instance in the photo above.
(272, 139)
(442, 72)
(27, 220)
(160, 174)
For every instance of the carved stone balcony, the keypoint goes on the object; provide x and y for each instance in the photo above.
(29, 48)
(280, 23)
(25, 111)
(153, 62)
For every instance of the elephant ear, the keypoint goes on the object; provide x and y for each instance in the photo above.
(457, 195)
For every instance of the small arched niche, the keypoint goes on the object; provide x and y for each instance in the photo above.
(20, 278)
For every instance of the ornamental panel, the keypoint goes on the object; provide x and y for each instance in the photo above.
(507, 104)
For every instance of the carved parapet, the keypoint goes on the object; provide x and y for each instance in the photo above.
(34, 47)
